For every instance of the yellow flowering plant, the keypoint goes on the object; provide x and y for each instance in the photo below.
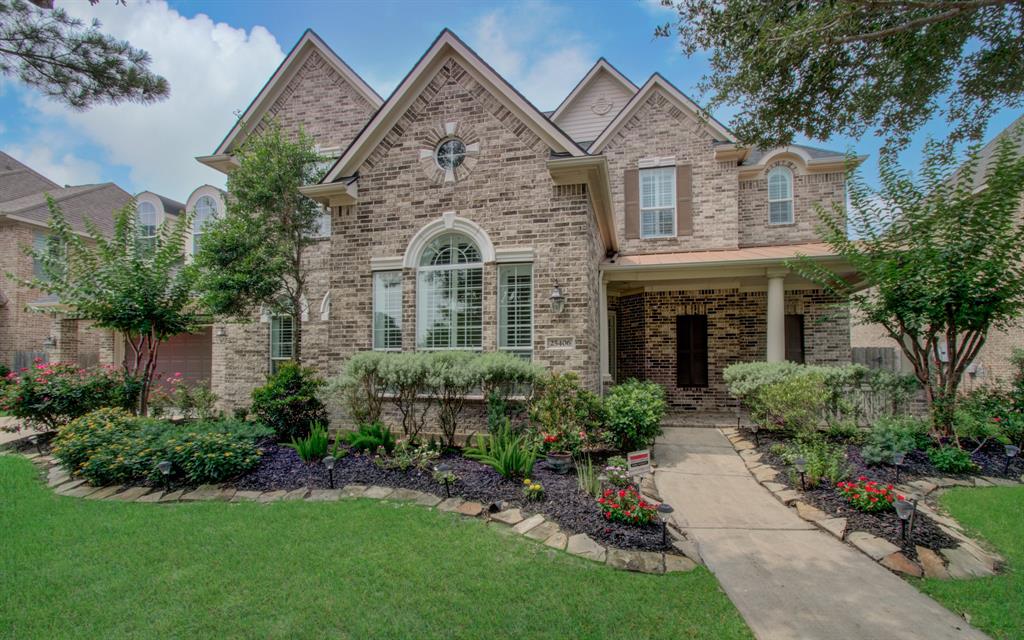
(533, 490)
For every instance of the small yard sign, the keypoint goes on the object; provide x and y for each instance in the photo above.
(639, 462)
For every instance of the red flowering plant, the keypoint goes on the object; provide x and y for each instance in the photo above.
(628, 506)
(868, 495)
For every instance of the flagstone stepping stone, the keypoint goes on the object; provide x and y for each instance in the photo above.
(450, 505)
(582, 545)
(557, 541)
(922, 487)
(764, 474)
(173, 496)
(835, 526)
(990, 560)
(272, 496)
(932, 563)
(428, 499)
(377, 492)
(103, 492)
(57, 476)
(353, 491)
(531, 522)
(246, 496)
(68, 486)
(874, 546)
(982, 482)
(944, 483)
(471, 509)
(964, 565)
(774, 487)
(678, 564)
(324, 495)
(807, 512)
(543, 531)
(81, 491)
(902, 564)
(405, 495)
(788, 496)
(509, 516)
(742, 445)
(1000, 482)
(151, 497)
(641, 561)
(31, 456)
(297, 494)
(202, 492)
(132, 493)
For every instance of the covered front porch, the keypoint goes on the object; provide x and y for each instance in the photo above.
(681, 319)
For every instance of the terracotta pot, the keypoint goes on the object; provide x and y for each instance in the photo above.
(559, 461)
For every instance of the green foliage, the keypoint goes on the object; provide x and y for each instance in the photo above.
(951, 460)
(746, 380)
(509, 454)
(407, 455)
(362, 385)
(844, 431)
(868, 496)
(190, 401)
(588, 476)
(939, 258)
(497, 411)
(504, 374)
(795, 403)
(617, 471)
(1017, 392)
(111, 446)
(633, 413)
(533, 490)
(825, 461)
(890, 436)
(50, 395)
(369, 438)
(626, 506)
(452, 376)
(289, 403)
(312, 447)
(822, 69)
(565, 413)
(408, 377)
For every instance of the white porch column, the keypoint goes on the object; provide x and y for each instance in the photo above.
(776, 320)
(603, 322)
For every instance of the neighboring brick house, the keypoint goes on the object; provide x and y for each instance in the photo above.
(625, 234)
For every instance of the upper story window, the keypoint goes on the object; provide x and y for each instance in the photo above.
(780, 196)
(658, 202)
(323, 224)
(206, 210)
(147, 224)
(449, 294)
(450, 154)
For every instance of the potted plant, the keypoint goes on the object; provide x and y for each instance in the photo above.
(560, 411)
(559, 447)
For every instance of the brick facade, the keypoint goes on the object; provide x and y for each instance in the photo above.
(809, 190)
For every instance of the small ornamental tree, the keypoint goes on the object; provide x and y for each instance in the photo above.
(252, 258)
(940, 256)
(135, 288)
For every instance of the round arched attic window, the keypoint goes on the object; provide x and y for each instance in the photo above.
(450, 154)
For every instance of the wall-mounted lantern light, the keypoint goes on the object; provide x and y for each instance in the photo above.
(557, 300)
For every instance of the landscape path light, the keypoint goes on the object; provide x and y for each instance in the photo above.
(664, 511)
(165, 469)
(445, 470)
(801, 468)
(905, 511)
(1011, 452)
(329, 463)
(34, 441)
(897, 461)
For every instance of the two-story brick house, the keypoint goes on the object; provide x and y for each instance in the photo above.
(625, 234)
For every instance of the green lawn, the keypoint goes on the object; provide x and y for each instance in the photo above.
(995, 605)
(354, 569)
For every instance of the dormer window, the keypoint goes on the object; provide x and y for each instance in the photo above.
(147, 223)
(780, 196)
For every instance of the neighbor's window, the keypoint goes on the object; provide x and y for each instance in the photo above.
(515, 309)
(323, 223)
(691, 351)
(780, 196)
(147, 224)
(282, 340)
(206, 210)
(658, 202)
(387, 310)
(40, 246)
(449, 293)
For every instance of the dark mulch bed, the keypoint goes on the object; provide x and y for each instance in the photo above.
(573, 510)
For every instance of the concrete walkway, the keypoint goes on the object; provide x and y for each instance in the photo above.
(787, 578)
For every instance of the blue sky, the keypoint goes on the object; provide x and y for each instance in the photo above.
(217, 55)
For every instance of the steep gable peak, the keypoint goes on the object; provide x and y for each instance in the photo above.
(601, 68)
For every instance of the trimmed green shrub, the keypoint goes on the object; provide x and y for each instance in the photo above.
(795, 403)
(506, 375)
(509, 454)
(371, 437)
(50, 395)
(312, 447)
(633, 414)
(951, 460)
(565, 414)
(289, 403)
(407, 376)
(452, 377)
(364, 385)
(891, 435)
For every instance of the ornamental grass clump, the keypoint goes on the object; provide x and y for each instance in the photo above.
(627, 506)
(867, 495)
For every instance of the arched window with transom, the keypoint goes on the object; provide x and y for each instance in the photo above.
(780, 196)
(147, 224)
(449, 294)
(206, 210)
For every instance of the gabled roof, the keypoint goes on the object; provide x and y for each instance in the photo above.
(655, 83)
(308, 43)
(987, 153)
(97, 202)
(18, 179)
(446, 45)
(601, 65)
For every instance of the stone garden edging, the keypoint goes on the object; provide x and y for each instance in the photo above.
(968, 560)
(512, 521)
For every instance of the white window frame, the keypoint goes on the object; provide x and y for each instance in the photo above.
(277, 358)
(382, 331)
(788, 174)
(148, 240)
(667, 169)
(197, 224)
(421, 291)
(523, 352)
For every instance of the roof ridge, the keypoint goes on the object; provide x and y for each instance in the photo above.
(82, 189)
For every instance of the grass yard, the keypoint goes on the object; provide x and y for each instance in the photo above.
(995, 605)
(72, 568)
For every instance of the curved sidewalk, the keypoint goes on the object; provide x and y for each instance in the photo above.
(788, 579)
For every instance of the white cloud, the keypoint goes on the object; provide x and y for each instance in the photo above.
(64, 169)
(214, 70)
(530, 46)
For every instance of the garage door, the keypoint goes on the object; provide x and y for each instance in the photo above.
(189, 354)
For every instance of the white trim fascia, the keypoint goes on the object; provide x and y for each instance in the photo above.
(656, 81)
(309, 42)
(446, 45)
(390, 263)
(514, 254)
(600, 65)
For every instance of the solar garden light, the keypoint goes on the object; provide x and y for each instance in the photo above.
(165, 468)
(664, 510)
(897, 461)
(34, 441)
(445, 470)
(801, 468)
(329, 463)
(1011, 452)
(755, 428)
(905, 510)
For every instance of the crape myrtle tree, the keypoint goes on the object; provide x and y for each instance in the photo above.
(137, 288)
(825, 67)
(940, 256)
(71, 62)
(252, 259)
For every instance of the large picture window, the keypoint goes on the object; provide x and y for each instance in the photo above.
(282, 340)
(449, 294)
(387, 310)
(780, 196)
(515, 309)
(658, 202)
